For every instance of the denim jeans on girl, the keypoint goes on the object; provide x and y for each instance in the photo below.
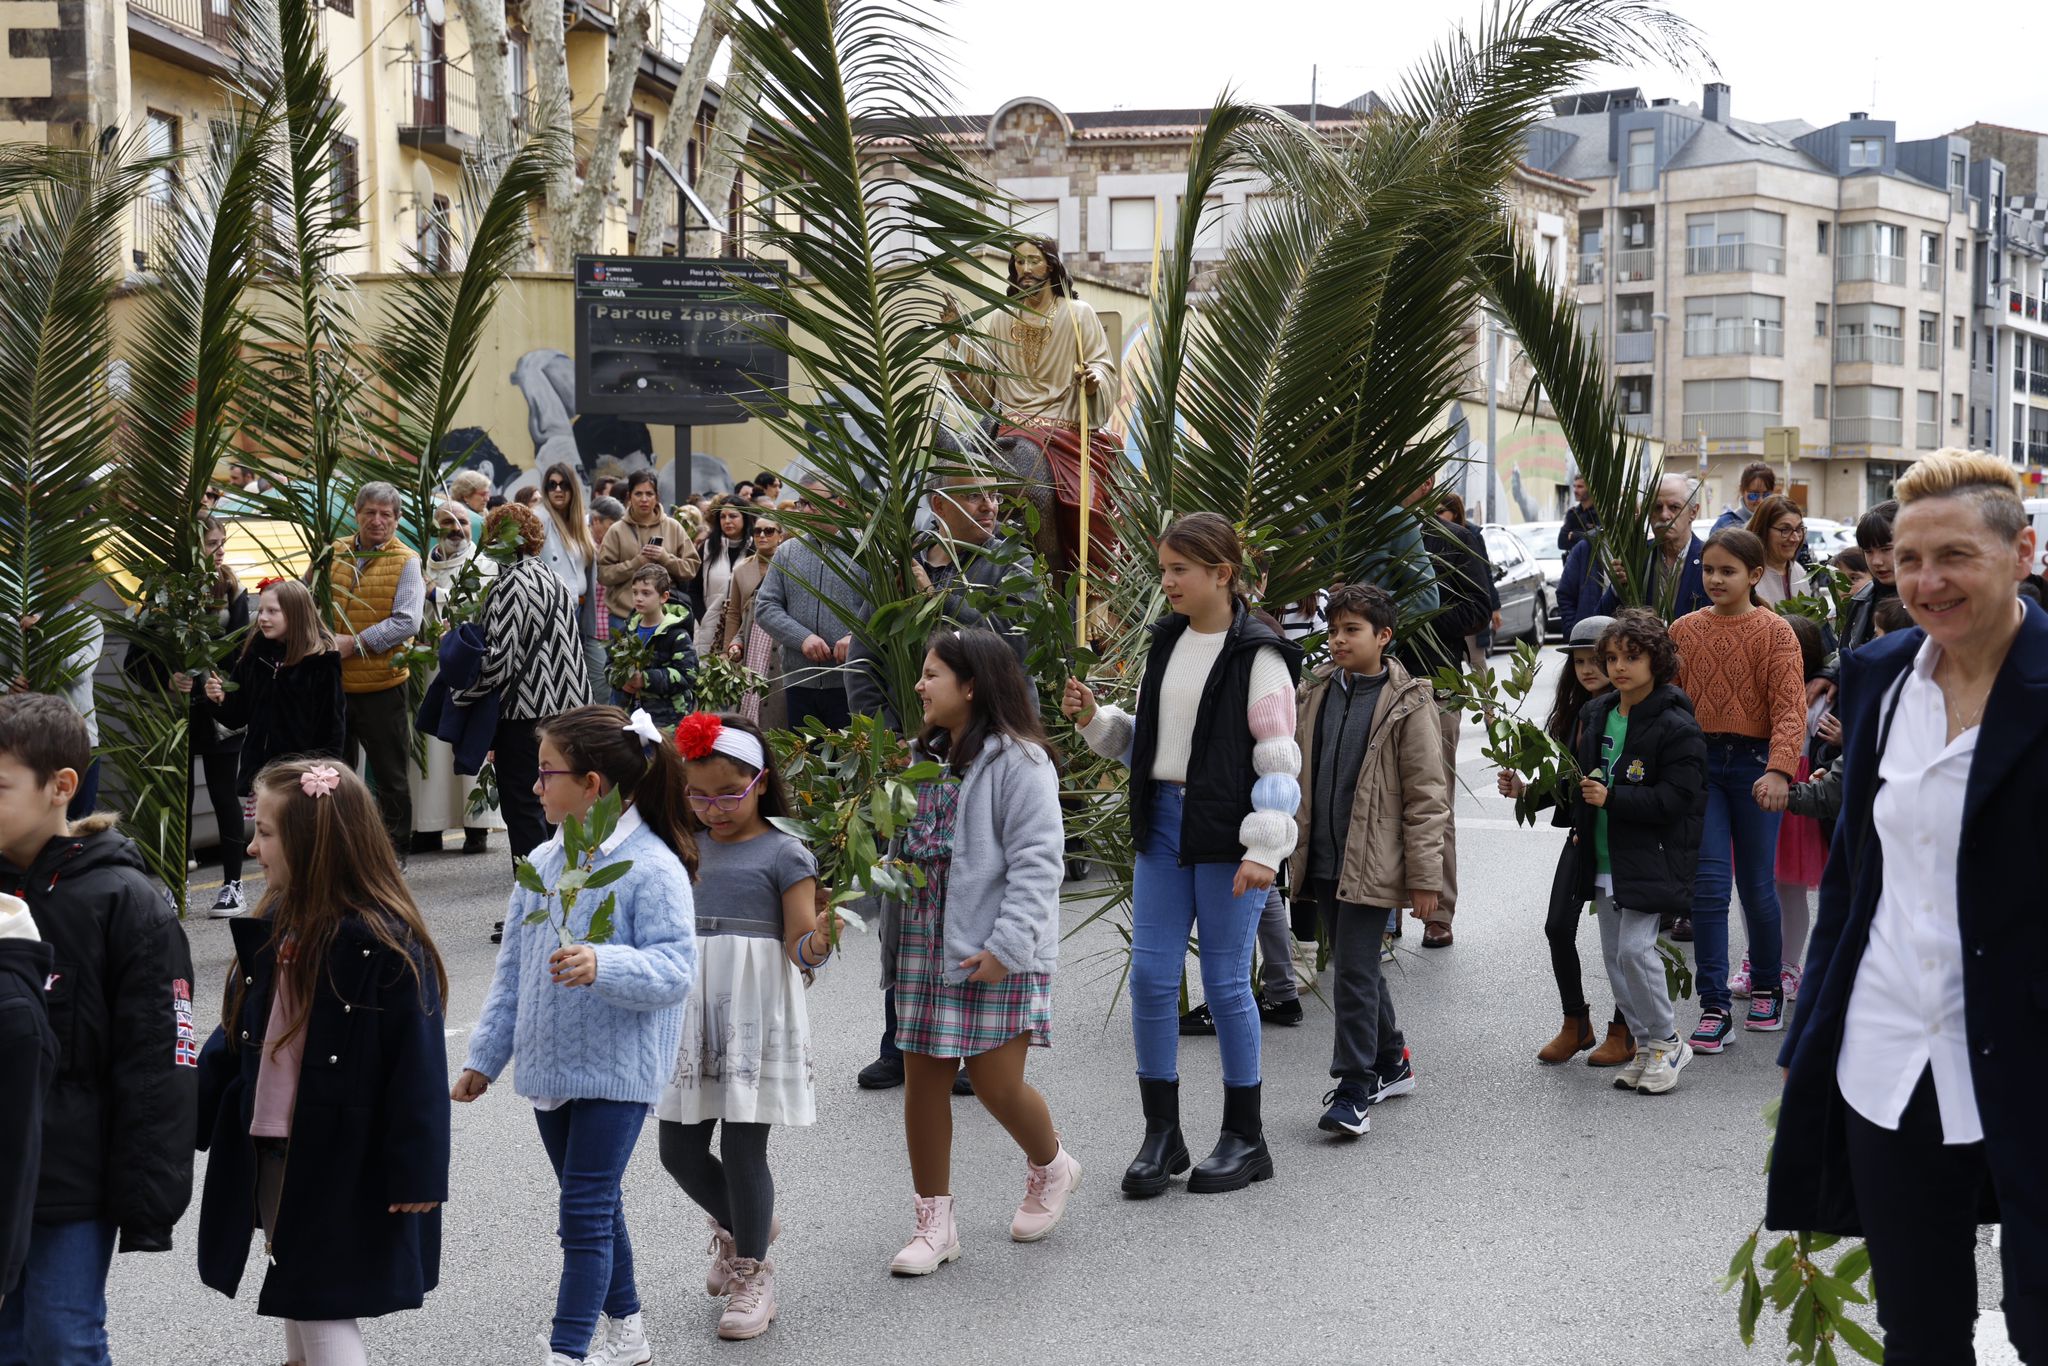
(589, 1143)
(1734, 820)
(57, 1316)
(1166, 900)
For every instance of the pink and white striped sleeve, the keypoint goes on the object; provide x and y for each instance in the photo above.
(1268, 832)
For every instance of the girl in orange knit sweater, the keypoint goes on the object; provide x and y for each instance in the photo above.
(1740, 665)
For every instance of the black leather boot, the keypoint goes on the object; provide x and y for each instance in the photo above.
(1241, 1156)
(1164, 1153)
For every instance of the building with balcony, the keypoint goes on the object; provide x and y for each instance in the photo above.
(405, 82)
(2008, 200)
(1747, 276)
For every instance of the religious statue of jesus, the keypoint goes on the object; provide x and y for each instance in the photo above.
(1043, 353)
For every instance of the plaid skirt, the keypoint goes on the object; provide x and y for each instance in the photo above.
(934, 1017)
(942, 1020)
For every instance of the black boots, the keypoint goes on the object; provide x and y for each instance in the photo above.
(1241, 1156)
(1164, 1153)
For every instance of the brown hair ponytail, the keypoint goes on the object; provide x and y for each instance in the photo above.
(1210, 540)
(646, 774)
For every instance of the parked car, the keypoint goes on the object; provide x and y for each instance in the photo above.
(1540, 540)
(1827, 538)
(1524, 595)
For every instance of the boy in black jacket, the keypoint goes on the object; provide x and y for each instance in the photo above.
(123, 1111)
(1642, 803)
(28, 1059)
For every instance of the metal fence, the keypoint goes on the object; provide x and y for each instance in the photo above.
(209, 19)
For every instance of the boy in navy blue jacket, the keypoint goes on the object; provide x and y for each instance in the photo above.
(118, 1128)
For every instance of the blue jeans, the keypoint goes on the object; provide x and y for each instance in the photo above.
(1735, 820)
(589, 1143)
(1168, 900)
(57, 1316)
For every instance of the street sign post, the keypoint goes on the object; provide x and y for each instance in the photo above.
(669, 339)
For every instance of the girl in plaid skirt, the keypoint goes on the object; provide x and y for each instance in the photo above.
(972, 956)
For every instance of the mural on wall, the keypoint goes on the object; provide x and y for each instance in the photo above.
(1532, 463)
(595, 444)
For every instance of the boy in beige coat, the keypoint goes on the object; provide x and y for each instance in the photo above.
(1374, 804)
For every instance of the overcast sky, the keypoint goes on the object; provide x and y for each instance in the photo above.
(1935, 68)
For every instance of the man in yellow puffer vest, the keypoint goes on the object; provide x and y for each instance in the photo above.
(379, 594)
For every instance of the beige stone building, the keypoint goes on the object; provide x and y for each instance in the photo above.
(402, 74)
(2008, 190)
(1749, 276)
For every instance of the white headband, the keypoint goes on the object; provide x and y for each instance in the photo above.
(737, 744)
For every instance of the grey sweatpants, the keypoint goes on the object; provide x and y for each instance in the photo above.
(1276, 950)
(1628, 941)
(1368, 1041)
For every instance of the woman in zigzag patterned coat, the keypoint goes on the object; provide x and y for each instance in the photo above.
(534, 662)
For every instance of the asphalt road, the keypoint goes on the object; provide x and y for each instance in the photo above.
(1505, 1212)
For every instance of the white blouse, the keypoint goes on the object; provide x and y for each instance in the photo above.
(1906, 1005)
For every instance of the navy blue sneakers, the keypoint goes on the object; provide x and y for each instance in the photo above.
(1398, 1082)
(1350, 1109)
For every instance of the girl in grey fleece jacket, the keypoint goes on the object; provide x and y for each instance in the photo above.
(971, 955)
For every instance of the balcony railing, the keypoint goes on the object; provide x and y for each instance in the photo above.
(1885, 270)
(1635, 422)
(2037, 449)
(1639, 178)
(2033, 306)
(1735, 338)
(1930, 355)
(1637, 263)
(153, 222)
(1868, 431)
(1592, 267)
(1927, 435)
(2014, 301)
(2037, 383)
(1851, 347)
(1730, 426)
(1633, 348)
(1727, 258)
(210, 19)
(1930, 275)
(444, 110)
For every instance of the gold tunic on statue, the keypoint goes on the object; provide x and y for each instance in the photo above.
(1038, 353)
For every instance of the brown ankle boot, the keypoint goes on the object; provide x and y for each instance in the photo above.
(1617, 1048)
(1575, 1035)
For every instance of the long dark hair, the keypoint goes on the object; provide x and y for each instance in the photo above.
(1056, 275)
(774, 796)
(1004, 701)
(1745, 546)
(595, 740)
(339, 867)
(715, 543)
(1572, 697)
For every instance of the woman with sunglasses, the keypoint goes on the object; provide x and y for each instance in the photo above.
(745, 1062)
(572, 555)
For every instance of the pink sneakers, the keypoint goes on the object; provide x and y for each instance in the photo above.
(724, 1252)
(751, 1307)
(1045, 1196)
(935, 1243)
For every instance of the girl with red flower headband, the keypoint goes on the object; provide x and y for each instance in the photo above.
(746, 1060)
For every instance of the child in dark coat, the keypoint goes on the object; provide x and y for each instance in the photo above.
(323, 1090)
(1640, 809)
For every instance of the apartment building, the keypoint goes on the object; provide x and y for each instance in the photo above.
(401, 71)
(1747, 276)
(2008, 185)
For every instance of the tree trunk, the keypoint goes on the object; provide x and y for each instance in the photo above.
(657, 211)
(551, 112)
(725, 154)
(586, 227)
(488, 61)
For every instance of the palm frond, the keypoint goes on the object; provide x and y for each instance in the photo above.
(881, 221)
(57, 274)
(422, 356)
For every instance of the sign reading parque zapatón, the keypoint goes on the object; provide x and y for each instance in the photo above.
(669, 339)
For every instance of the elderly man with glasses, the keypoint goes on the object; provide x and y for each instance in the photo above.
(380, 595)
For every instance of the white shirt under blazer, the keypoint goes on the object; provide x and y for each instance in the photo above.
(1906, 1005)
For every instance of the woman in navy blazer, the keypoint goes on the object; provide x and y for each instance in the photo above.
(1893, 1127)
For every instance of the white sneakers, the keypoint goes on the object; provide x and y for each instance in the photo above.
(935, 1242)
(1661, 1063)
(617, 1342)
(1045, 1196)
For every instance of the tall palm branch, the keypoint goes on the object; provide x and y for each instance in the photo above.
(882, 222)
(58, 269)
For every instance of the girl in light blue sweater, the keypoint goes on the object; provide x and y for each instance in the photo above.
(596, 1026)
